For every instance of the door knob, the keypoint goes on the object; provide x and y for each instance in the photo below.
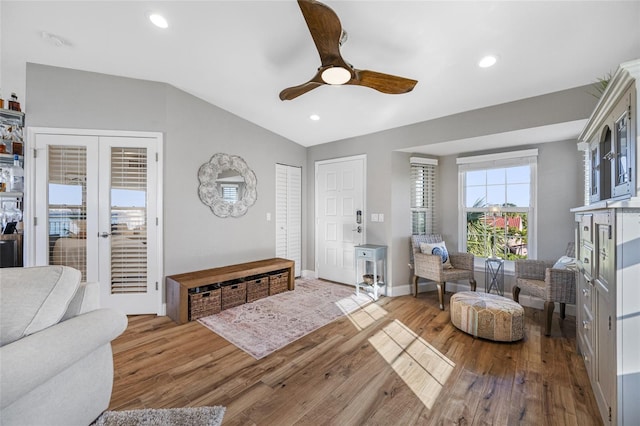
(104, 235)
(358, 229)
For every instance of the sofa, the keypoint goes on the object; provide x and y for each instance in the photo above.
(56, 364)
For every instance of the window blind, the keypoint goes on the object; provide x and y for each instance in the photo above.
(67, 208)
(423, 196)
(128, 220)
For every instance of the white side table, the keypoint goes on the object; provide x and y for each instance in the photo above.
(374, 256)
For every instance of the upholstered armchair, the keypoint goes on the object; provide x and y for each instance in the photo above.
(550, 281)
(430, 266)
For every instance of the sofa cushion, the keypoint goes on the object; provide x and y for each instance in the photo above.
(33, 299)
(438, 249)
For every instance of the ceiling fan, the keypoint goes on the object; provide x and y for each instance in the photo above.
(327, 34)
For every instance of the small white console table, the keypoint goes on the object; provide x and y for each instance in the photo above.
(371, 259)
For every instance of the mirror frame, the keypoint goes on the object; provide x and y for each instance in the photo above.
(208, 189)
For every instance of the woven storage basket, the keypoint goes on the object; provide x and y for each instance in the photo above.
(234, 294)
(257, 288)
(204, 304)
(278, 282)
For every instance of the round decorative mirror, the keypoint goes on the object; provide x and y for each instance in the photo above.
(227, 185)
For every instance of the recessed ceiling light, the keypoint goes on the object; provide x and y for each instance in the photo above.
(487, 61)
(314, 117)
(158, 20)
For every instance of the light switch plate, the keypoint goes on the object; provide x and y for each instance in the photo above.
(380, 217)
(374, 217)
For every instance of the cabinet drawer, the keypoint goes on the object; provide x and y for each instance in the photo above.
(588, 296)
(587, 355)
(585, 328)
(586, 228)
(586, 259)
(365, 253)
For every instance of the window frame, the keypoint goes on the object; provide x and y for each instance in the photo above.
(499, 161)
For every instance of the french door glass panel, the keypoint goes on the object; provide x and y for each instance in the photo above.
(128, 220)
(67, 209)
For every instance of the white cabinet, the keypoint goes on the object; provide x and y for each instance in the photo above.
(608, 245)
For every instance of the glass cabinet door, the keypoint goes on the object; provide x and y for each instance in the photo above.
(622, 175)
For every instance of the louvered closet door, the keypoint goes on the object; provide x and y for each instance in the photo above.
(289, 214)
(96, 204)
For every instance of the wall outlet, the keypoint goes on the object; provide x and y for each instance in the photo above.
(268, 217)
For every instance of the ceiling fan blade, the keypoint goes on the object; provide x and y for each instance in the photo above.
(326, 30)
(384, 83)
(295, 91)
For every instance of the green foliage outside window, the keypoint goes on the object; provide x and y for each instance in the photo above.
(510, 242)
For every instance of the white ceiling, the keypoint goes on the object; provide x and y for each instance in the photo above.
(239, 55)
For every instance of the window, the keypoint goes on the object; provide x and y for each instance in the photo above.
(423, 195)
(497, 195)
(230, 192)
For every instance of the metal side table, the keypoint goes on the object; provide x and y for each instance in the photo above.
(494, 275)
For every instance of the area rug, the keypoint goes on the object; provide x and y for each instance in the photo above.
(266, 325)
(192, 416)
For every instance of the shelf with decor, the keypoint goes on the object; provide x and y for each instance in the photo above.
(11, 201)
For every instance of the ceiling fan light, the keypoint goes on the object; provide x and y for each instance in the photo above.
(336, 75)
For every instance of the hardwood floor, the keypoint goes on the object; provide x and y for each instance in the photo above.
(400, 361)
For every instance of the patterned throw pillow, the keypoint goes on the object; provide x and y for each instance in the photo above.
(439, 249)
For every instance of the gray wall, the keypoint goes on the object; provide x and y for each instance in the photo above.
(559, 171)
(194, 131)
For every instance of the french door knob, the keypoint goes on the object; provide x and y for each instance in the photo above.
(105, 235)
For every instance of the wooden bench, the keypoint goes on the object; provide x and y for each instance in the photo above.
(178, 286)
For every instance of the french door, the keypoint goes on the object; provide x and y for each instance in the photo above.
(340, 221)
(289, 214)
(97, 210)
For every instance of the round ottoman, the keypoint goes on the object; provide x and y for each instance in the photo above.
(487, 315)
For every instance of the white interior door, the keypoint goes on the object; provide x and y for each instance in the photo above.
(339, 228)
(289, 214)
(97, 205)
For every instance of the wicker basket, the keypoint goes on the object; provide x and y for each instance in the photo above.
(234, 294)
(278, 282)
(204, 304)
(257, 288)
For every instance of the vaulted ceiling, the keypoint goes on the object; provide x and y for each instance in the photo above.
(239, 55)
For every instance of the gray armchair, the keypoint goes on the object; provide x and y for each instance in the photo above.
(55, 347)
(429, 266)
(539, 279)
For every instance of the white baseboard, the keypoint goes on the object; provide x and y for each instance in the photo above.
(307, 273)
